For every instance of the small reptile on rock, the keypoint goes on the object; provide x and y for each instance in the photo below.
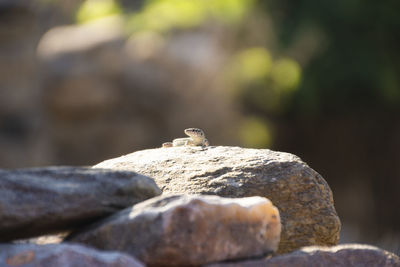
(196, 138)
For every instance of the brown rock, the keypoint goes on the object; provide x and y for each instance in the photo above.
(183, 230)
(302, 196)
(44, 200)
(65, 255)
(338, 256)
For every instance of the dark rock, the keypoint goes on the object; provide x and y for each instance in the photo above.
(65, 255)
(183, 230)
(302, 196)
(338, 256)
(44, 200)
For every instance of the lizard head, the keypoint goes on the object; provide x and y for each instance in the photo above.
(195, 133)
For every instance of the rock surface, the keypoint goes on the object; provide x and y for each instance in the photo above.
(302, 196)
(183, 230)
(65, 255)
(338, 256)
(43, 200)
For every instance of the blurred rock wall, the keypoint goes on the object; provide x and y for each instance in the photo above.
(20, 119)
(78, 94)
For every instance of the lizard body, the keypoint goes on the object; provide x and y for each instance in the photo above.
(196, 138)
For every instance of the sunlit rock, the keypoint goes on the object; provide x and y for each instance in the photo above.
(184, 230)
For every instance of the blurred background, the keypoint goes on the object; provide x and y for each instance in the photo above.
(84, 81)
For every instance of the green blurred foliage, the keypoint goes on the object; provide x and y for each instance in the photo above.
(286, 74)
(358, 68)
(252, 65)
(255, 132)
(165, 15)
(96, 9)
(263, 86)
(261, 83)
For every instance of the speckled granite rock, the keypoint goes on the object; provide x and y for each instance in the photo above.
(349, 255)
(302, 196)
(183, 230)
(44, 200)
(65, 255)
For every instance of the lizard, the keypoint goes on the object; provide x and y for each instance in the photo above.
(196, 138)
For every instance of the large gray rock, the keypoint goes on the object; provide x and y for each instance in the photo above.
(183, 230)
(65, 255)
(43, 200)
(302, 196)
(348, 255)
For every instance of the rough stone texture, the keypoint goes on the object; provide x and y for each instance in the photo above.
(65, 255)
(302, 196)
(338, 256)
(43, 200)
(184, 230)
(23, 134)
